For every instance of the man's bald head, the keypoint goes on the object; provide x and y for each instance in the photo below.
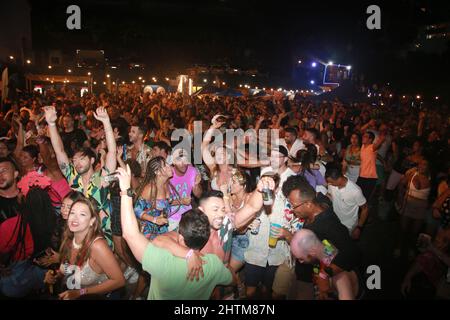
(304, 244)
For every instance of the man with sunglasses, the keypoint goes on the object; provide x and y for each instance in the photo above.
(319, 218)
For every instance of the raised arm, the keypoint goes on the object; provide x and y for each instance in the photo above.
(58, 146)
(197, 190)
(111, 160)
(380, 140)
(207, 158)
(247, 213)
(50, 162)
(20, 137)
(130, 227)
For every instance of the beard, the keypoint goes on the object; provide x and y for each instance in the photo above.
(83, 170)
(6, 185)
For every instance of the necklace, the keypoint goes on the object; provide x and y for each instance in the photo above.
(75, 245)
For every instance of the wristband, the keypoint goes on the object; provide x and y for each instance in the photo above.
(83, 292)
(189, 254)
(52, 124)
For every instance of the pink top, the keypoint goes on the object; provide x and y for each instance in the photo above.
(184, 185)
(58, 190)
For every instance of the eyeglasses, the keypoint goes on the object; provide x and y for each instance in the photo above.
(298, 205)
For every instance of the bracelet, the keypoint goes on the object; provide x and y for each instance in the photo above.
(52, 124)
(189, 254)
(83, 292)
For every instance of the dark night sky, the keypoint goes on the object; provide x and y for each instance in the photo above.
(271, 36)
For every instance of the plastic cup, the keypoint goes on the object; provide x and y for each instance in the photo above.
(273, 241)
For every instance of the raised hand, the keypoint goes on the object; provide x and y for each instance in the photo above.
(265, 182)
(198, 179)
(124, 177)
(50, 115)
(101, 114)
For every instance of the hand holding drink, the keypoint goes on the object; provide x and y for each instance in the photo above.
(274, 234)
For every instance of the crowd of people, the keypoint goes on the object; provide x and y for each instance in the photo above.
(98, 201)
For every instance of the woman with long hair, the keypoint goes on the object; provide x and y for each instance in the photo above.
(52, 256)
(352, 158)
(414, 206)
(88, 265)
(24, 238)
(153, 197)
(304, 164)
(218, 162)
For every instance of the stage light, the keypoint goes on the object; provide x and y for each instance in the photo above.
(107, 75)
(330, 63)
(349, 67)
(313, 64)
(69, 70)
(11, 57)
(205, 80)
(437, 98)
(299, 61)
(140, 78)
(28, 61)
(418, 97)
(49, 67)
(312, 82)
(89, 73)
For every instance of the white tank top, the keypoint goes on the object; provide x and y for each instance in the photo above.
(421, 194)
